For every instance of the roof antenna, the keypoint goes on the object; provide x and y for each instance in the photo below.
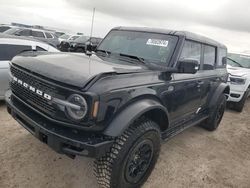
(88, 49)
(92, 25)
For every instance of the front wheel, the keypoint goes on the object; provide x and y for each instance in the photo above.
(215, 117)
(131, 158)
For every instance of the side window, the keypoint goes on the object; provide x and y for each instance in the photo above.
(38, 34)
(191, 50)
(48, 36)
(209, 57)
(25, 32)
(8, 51)
(221, 54)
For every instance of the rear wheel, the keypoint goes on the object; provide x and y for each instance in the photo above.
(212, 123)
(131, 158)
(240, 105)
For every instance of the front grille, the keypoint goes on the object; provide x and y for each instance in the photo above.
(30, 97)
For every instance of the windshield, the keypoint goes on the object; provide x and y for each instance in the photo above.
(64, 36)
(11, 31)
(157, 48)
(239, 60)
(81, 39)
(74, 37)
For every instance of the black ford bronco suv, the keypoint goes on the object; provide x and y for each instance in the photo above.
(117, 104)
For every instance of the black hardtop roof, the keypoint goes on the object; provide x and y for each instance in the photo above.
(186, 34)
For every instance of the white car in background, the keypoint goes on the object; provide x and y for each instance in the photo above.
(68, 37)
(239, 80)
(10, 46)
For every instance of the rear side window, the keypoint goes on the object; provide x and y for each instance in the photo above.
(38, 34)
(191, 50)
(8, 51)
(48, 35)
(209, 57)
(25, 32)
(222, 53)
(4, 28)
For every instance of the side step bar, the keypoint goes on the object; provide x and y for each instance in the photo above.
(178, 129)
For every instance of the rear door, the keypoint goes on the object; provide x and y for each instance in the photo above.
(213, 70)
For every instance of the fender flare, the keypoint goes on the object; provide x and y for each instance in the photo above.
(132, 112)
(222, 88)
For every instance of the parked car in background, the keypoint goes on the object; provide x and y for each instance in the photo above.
(59, 33)
(42, 35)
(79, 45)
(68, 37)
(239, 80)
(10, 46)
(66, 45)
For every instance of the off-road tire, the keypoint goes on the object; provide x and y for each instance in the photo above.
(216, 114)
(240, 105)
(111, 169)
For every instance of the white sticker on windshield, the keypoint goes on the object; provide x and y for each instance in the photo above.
(157, 42)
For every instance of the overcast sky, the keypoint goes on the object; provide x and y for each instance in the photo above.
(227, 21)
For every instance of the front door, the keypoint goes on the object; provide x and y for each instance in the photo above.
(185, 99)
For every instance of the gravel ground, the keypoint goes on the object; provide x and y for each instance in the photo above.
(194, 158)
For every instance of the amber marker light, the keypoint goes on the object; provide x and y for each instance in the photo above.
(95, 109)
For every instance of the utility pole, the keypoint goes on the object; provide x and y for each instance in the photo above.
(92, 25)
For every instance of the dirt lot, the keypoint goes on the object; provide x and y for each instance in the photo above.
(195, 158)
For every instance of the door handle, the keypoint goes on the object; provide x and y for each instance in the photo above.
(199, 84)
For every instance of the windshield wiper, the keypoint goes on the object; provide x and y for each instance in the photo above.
(140, 59)
(235, 62)
(104, 51)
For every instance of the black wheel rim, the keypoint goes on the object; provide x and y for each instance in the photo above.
(139, 161)
(220, 113)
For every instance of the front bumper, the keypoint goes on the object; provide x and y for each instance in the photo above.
(62, 139)
(236, 92)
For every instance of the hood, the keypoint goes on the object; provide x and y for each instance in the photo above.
(71, 68)
(238, 71)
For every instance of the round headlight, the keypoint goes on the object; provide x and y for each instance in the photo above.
(78, 109)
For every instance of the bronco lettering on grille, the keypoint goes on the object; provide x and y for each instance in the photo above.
(32, 89)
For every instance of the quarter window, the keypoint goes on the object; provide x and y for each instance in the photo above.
(209, 57)
(38, 34)
(191, 50)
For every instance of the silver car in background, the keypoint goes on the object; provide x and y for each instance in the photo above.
(10, 46)
(42, 35)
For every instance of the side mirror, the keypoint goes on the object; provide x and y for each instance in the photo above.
(17, 34)
(188, 66)
(224, 61)
(88, 47)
